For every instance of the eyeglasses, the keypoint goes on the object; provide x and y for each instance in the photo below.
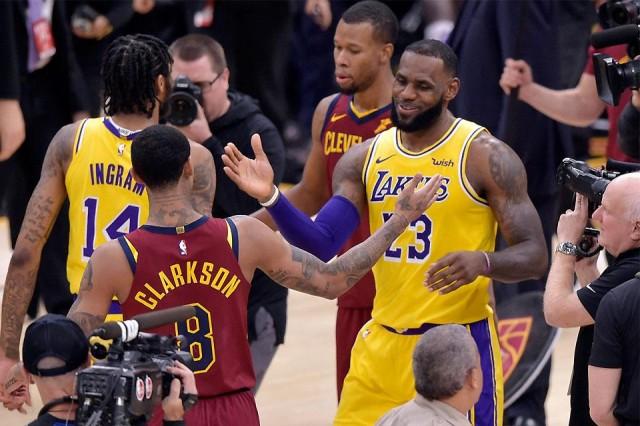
(205, 85)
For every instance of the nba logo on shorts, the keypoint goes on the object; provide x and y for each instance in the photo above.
(183, 247)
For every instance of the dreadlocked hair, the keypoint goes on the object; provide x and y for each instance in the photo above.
(130, 67)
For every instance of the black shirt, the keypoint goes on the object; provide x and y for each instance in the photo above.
(616, 345)
(48, 420)
(243, 119)
(621, 270)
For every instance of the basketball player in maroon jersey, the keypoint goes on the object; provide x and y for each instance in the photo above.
(182, 257)
(363, 46)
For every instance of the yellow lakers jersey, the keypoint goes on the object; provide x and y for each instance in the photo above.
(105, 201)
(458, 220)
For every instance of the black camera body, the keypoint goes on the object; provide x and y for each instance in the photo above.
(126, 387)
(182, 104)
(580, 178)
(621, 20)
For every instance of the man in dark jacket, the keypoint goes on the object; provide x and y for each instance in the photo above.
(233, 117)
(41, 90)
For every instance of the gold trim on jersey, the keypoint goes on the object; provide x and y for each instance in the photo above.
(133, 250)
(443, 139)
(362, 114)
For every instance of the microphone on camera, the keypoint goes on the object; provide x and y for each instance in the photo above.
(129, 329)
(618, 35)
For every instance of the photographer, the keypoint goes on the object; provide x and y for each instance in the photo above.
(619, 218)
(55, 349)
(629, 128)
(228, 116)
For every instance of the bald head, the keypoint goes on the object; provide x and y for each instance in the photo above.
(442, 361)
(624, 191)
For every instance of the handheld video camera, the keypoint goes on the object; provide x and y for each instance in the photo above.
(621, 20)
(182, 104)
(580, 178)
(126, 387)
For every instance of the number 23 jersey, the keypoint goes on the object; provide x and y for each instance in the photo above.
(105, 201)
(458, 220)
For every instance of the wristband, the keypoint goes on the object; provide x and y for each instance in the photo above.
(271, 201)
(486, 258)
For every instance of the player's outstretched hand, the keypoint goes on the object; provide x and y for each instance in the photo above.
(455, 270)
(413, 202)
(15, 388)
(255, 177)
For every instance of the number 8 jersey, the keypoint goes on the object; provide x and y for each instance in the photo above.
(196, 265)
(105, 201)
(458, 220)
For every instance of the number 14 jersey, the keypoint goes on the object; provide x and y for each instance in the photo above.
(105, 201)
(458, 220)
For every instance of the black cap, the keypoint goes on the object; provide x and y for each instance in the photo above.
(54, 336)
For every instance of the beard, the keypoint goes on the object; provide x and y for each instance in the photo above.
(422, 121)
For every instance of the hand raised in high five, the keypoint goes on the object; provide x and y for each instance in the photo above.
(412, 202)
(255, 177)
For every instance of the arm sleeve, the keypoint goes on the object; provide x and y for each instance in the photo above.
(323, 237)
(629, 131)
(607, 339)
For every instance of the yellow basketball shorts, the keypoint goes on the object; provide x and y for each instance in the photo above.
(381, 374)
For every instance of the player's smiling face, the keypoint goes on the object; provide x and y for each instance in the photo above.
(358, 56)
(422, 89)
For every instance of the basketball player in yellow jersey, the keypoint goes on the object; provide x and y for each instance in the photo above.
(90, 162)
(439, 270)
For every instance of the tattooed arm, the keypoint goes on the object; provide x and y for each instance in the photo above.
(496, 173)
(107, 274)
(204, 179)
(504, 184)
(299, 270)
(42, 211)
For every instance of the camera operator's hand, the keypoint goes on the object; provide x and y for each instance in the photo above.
(15, 389)
(516, 73)
(100, 28)
(172, 405)
(198, 131)
(572, 223)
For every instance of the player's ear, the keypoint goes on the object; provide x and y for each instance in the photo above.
(453, 87)
(162, 87)
(386, 53)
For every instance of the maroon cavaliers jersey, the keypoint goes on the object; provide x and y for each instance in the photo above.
(344, 127)
(196, 265)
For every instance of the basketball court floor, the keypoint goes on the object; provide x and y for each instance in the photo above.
(299, 388)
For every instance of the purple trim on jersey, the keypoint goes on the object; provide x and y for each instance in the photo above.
(486, 408)
(119, 132)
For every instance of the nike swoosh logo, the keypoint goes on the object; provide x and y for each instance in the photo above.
(380, 160)
(337, 117)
